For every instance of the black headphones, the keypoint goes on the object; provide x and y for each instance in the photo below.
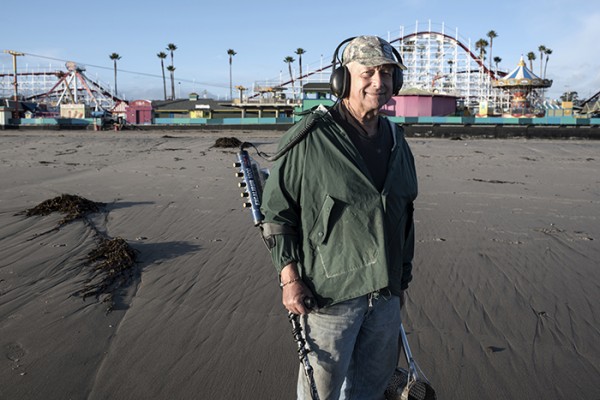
(339, 82)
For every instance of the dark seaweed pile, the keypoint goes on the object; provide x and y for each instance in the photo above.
(227, 142)
(73, 206)
(112, 260)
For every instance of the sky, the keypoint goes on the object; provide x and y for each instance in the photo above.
(264, 33)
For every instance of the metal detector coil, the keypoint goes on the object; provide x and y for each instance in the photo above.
(409, 384)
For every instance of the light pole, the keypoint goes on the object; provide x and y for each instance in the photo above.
(14, 55)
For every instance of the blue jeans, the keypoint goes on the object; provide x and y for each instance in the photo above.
(354, 348)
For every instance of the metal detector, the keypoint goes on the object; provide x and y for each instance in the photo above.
(253, 180)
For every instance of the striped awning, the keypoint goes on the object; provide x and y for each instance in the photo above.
(521, 72)
(522, 77)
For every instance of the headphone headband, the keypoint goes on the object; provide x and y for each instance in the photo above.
(339, 81)
(337, 49)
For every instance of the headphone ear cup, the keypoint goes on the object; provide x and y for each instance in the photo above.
(398, 80)
(339, 82)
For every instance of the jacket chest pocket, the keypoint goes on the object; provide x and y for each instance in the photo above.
(343, 238)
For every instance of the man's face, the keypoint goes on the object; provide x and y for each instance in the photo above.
(370, 87)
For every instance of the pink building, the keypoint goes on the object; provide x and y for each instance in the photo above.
(420, 103)
(139, 112)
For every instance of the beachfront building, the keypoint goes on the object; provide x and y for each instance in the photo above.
(139, 112)
(193, 107)
(74, 111)
(315, 93)
(269, 101)
(19, 108)
(413, 102)
(119, 110)
(5, 115)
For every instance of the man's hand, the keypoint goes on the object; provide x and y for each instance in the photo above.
(294, 291)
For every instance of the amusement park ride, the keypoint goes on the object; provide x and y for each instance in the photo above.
(74, 87)
(437, 61)
(520, 83)
(54, 88)
(442, 62)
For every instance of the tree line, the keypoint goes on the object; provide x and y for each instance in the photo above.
(544, 52)
(171, 47)
(481, 45)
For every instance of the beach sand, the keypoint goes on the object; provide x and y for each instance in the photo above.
(504, 303)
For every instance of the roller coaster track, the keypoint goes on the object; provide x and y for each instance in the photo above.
(58, 74)
(453, 40)
(593, 98)
(403, 41)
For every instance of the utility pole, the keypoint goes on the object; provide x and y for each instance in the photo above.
(14, 55)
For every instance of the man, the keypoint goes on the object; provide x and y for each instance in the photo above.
(338, 218)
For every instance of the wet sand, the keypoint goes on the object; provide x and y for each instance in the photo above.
(504, 302)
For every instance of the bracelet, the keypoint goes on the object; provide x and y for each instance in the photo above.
(281, 285)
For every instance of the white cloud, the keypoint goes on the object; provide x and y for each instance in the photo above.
(575, 61)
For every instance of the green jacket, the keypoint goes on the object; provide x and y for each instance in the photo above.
(350, 239)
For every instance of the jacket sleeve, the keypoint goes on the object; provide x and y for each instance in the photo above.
(408, 250)
(280, 205)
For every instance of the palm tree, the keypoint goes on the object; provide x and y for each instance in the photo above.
(541, 49)
(162, 55)
(171, 47)
(299, 52)
(531, 57)
(231, 53)
(491, 35)
(289, 60)
(481, 44)
(497, 60)
(115, 57)
(547, 52)
(171, 70)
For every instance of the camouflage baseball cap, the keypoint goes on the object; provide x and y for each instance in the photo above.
(370, 51)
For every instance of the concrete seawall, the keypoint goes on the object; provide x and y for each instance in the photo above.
(504, 131)
(455, 131)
